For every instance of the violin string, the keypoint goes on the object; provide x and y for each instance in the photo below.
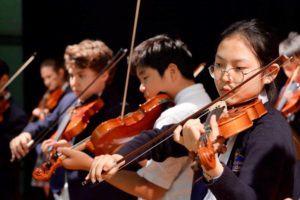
(61, 156)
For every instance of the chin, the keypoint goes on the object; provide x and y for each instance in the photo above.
(232, 101)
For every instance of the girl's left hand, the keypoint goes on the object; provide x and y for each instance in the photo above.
(191, 132)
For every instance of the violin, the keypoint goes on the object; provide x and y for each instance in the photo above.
(288, 102)
(292, 105)
(52, 99)
(49, 100)
(80, 118)
(110, 135)
(235, 121)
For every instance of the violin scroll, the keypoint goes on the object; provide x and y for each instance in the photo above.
(47, 169)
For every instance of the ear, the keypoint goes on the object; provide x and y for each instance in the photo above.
(271, 73)
(172, 70)
(61, 72)
(104, 77)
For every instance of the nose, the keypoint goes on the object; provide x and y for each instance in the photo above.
(142, 88)
(72, 81)
(46, 82)
(225, 76)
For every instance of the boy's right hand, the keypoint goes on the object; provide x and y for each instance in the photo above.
(104, 164)
(40, 113)
(19, 145)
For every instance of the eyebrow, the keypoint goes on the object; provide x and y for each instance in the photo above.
(236, 60)
(141, 72)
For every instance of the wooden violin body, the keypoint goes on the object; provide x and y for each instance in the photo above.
(110, 135)
(80, 118)
(53, 98)
(48, 102)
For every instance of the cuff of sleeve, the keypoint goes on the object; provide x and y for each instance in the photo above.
(209, 179)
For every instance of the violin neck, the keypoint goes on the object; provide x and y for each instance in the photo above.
(80, 146)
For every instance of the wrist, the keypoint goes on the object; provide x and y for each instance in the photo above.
(215, 173)
(88, 161)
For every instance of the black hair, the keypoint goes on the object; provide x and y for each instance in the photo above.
(160, 51)
(262, 40)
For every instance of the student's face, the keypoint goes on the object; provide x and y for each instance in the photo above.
(290, 69)
(151, 81)
(233, 52)
(80, 78)
(52, 79)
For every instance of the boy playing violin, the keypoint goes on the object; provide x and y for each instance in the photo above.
(83, 62)
(13, 120)
(162, 64)
(260, 164)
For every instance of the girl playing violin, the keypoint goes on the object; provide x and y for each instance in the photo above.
(13, 120)
(291, 47)
(54, 77)
(261, 162)
(253, 170)
(162, 64)
(83, 62)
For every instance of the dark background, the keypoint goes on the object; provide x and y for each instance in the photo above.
(50, 25)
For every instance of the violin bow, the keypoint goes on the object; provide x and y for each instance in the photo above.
(130, 57)
(199, 69)
(29, 60)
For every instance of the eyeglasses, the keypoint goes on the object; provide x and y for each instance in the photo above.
(235, 75)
